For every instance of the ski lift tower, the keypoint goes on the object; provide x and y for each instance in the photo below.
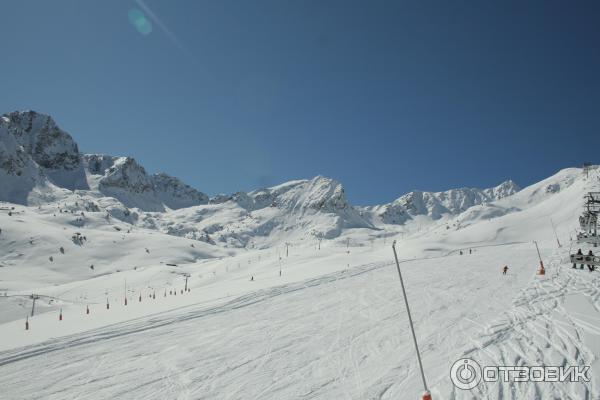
(588, 220)
(586, 168)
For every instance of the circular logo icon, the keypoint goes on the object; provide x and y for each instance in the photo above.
(465, 373)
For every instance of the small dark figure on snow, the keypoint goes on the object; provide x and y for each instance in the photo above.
(461, 252)
(252, 279)
(590, 266)
(470, 251)
(579, 253)
(505, 270)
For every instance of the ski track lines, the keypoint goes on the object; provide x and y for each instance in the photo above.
(544, 328)
(350, 342)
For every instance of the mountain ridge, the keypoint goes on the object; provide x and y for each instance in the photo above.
(41, 163)
(54, 150)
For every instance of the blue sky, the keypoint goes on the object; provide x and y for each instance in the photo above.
(384, 96)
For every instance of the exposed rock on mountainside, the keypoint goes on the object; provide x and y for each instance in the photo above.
(35, 154)
(52, 149)
(176, 194)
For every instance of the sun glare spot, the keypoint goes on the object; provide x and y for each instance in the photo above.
(139, 21)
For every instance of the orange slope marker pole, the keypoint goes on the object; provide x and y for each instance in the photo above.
(542, 270)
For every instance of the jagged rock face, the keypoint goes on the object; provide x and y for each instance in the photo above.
(49, 146)
(394, 214)
(176, 194)
(13, 157)
(124, 178)
(97, 164)
(34, 151)
(128, 175)
(19, 174)
(53, 150)
(128, 182)
(437, 204)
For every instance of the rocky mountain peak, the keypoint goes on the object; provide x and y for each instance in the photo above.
(49, 146)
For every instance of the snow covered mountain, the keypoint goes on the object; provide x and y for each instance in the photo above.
(36, 156)
(437, 204)
(297, 210)
(41, 164)
(52, 149)
(35, 153)
(126, 180)
(305, 276)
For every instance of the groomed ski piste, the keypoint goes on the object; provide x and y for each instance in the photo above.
(298, 322)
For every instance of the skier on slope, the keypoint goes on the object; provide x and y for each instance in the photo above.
(579, 253)
(505, 270)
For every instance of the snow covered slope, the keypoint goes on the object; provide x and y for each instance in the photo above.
(307, 322)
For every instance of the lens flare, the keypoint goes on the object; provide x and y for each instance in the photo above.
(139, 21)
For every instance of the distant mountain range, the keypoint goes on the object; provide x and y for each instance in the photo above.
(41, 163)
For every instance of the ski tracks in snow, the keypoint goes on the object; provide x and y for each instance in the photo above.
(343, 335)
(555, 321)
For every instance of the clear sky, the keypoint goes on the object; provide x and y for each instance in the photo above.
(384, 96)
